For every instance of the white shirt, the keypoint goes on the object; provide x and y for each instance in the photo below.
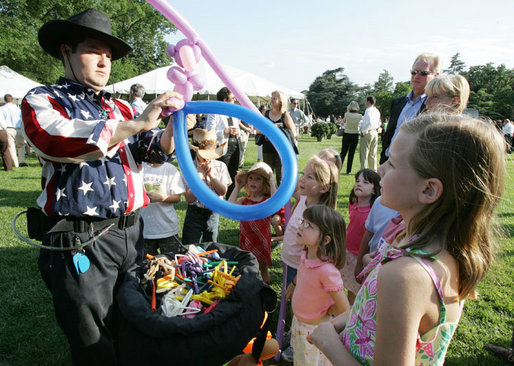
(138, 105)
(11, 114)
(160, 218)
(370, 121)
(3, 126)
(508, 129)
(219, 122)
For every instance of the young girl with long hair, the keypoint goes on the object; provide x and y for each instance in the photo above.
(319, 291)
(317, 185)
(363, 195)
(445, 176)
(255, 235)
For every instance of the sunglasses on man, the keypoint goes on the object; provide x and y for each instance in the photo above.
(421, 72)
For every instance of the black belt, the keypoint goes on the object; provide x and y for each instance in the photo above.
(200, 210)
(82, 225)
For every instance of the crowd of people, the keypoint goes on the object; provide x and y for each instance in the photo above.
(418, 239)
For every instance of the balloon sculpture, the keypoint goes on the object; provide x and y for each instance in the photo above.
(187, 54)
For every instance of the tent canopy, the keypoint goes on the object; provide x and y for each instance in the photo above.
(13, 83)
(156, 82)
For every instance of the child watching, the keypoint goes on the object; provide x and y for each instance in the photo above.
(164, 186)
(255, 235)
(445, 176)
(362, 196)
(200, 223)
(319, 291)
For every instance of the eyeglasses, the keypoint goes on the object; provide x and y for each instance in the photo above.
(421, 72)
(305, 224)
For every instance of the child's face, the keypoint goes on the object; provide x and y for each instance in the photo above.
(308, 234)
(254, 184)
(307, 184)
(400, 184)
(362, 188)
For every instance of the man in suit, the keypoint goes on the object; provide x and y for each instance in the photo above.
(425, 68)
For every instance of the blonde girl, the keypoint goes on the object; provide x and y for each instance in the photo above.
(255, 235)
(445, 175)
(319, 290)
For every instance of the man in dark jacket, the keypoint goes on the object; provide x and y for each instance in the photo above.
(425, 68)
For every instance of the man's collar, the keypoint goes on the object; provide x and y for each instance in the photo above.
(409, 97)
(78, 88)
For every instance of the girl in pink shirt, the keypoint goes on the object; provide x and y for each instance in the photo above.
(319, 291)
(362, 196)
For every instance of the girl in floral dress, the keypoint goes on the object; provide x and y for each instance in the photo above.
(255, 235)
(445, 175)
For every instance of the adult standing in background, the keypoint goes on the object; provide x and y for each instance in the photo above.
(4, 145)
(280, 117)
(227, 130)
(12, 117)
(425, 68)
(91, 147)
(351, 121)
(137, 92)
(369, 135)
(508, 134)
(297, 116)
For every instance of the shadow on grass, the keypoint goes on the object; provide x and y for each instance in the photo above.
(15, 198)
(29, 333)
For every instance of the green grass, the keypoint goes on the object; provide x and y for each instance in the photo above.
(29, 334)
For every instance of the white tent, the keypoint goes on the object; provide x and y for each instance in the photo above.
(156, 82)
(13, 83)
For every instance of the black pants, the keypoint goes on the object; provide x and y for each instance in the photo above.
(232, 159)
(85, 304)
(350, 141)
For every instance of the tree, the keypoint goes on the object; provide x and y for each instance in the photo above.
(331, 93)
(135, 21)
(384, 82)
(456, 65)
(491, 90)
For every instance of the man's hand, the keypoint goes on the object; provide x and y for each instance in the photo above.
(152, 114)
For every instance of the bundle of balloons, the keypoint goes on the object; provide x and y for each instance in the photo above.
(187, 53)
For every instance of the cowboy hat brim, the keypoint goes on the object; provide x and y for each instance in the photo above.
(209, 154)
(56, 32)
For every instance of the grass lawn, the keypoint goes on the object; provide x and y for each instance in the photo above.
(29, 334)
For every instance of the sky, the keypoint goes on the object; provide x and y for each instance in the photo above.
(293, 42)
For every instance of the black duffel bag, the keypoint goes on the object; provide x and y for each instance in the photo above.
(146, 337)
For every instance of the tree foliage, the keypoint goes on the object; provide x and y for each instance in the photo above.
(492, 90)
(135, 21)
(331, 92)
(457, 66)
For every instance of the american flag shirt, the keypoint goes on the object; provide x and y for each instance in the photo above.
(70, 129)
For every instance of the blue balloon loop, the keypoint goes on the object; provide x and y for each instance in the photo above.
(203, 192)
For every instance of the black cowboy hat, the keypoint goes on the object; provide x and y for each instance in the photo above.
(90, 23)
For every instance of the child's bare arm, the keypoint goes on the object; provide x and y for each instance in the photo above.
(364, 249)
(326, 338)
(341, 303)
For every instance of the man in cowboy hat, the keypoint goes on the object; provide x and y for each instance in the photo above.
(200, 223)
(90, 147)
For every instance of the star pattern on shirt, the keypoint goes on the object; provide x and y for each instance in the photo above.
(60, 193)
(72, 97)
(86, 187)
(110, 182)
(91, 211)
(115, 205)
(62, 169)
(85, 114)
